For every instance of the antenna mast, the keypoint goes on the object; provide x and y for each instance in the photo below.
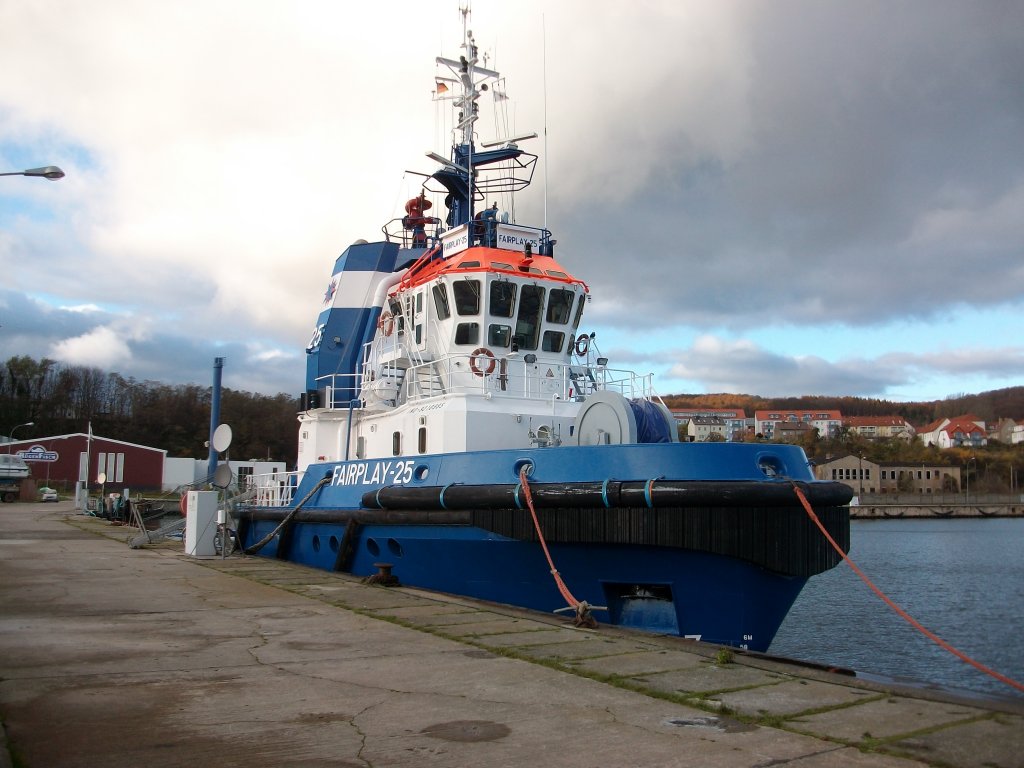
(544, 46)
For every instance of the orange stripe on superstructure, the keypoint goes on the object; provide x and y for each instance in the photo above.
(482, 259)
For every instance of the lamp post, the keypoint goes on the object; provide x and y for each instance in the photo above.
(51, 172)
(10, 438)
(968, 477)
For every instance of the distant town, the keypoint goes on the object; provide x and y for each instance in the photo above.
(877, 454)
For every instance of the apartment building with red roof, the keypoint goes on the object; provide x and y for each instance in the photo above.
(967, 430)
(828, 423)
(880, 427)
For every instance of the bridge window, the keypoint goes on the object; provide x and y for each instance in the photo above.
(503, 298)
(553, 341)
(499, 335)
(467, 296)
(559, 306)
(441, 302)
(531, 306)
(396, 443)
(579, 311)
(467, 333)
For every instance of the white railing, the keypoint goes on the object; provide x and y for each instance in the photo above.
(329, 384)
(273, 490)
(453, 374)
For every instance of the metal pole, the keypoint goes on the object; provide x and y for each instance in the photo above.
(218, 367)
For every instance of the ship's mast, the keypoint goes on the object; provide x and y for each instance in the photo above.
(459, 175)
(473, 79)
(468, 102)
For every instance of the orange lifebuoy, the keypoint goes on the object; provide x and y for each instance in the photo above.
(582, 345)
(478, 353)
(183, 505)
(386, 323)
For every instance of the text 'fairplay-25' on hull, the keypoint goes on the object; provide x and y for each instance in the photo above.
(457, 425)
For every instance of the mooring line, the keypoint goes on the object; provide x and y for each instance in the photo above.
(903, 614)
(287, 519)
(584, 618)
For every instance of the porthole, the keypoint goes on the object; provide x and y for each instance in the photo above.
(334, 543)
(770, 466)
(373, 547)
(523, 464)
(395, 548)
(422, 472)
(316, 543)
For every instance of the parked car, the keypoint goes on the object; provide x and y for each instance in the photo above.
(48, 494)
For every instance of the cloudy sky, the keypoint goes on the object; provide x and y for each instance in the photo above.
(773, 198)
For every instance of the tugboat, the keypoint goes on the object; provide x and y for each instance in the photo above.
(459, 432)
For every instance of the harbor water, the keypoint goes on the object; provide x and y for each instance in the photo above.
(962, 579)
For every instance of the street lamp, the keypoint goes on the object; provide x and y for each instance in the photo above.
(10, 438)
(51, 172)
(968, 477)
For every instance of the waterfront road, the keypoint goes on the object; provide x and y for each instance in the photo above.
(111, 656)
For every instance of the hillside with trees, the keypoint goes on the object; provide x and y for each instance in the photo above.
(999, 404)
(61, 399)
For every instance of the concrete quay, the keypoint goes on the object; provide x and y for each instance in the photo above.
(117, 657)
(872, 511)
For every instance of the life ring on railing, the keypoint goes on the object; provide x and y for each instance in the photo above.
(478, 353)
(582, 345)
(183, 505)
(386, 323)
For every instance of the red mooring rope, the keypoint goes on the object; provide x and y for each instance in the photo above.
(903, 614)
(569, 599)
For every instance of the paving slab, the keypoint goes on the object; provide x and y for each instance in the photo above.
(646, 662)
(883, 718)
(788, 697)
(996, 741)
(506, 631)
(147, 657)
(431, 610)
(583, 647)
(442, 620)
(707, 677)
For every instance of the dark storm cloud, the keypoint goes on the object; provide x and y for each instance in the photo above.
(742, 366)
(94, 337)
(880, 176)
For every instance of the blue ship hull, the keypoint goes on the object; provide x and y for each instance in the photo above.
(709, 541)
(709, 597)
